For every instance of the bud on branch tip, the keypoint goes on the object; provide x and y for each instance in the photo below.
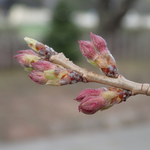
(97, 54)
(99, 43)
(35, 45)
(26, 58)
(93, 100)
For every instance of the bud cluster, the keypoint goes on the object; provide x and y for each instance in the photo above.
(52, 74)
(97, 53)
(43, 71)
(93, 100)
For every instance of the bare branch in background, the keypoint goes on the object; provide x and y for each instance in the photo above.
(111, 13)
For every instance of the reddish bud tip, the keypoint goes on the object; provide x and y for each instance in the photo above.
(87, 49)
(38, 77)
(43, 65)
(93, 100)
(20, 59)
(99, 43)
(27, 52)
(89, 92)
(91, 104)
(27, 57)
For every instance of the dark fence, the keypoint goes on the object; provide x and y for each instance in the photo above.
(9, 45)
(123, 46)
(128, 46)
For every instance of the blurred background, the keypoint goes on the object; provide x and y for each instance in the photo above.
(45, 117)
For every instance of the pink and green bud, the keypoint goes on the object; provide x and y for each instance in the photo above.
(38, 77)
(97, 54)
(62, 76)
(56, 73)
(92, 104)
(53, 74)
(87, 49)
(93, 100)
(106, 61)
(43, 65)
(47, 77)
(89, 92)
(49, 73)
(35, 45)
(26, 58)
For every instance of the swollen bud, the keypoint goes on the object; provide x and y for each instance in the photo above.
(93, 100)
(92, 104)
(106, 61)
(38, 77)
(35, 45)
(47, 73)
(43, 65)
(97, 54)
(26, 58)
(87, 49)
(99, 43)
(52, 74)
(89, 92)
(39, 47)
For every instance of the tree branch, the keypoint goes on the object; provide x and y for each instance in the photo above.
(111, 14)
(120, 82)
(49, 67)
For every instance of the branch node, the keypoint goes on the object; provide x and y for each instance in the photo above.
(146, 88)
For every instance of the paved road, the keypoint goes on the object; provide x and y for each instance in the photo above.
(129, 138)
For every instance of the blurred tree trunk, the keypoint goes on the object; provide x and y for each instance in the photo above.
(111, 13)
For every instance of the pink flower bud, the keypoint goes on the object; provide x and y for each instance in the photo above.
(87, 49)
(27, 52)
(38, 77)
(89, 92)
(52, 74)
(93, 100)
(26, 58)
(99, 43)
(91, 104)
(43, 65)
(98, 55)
(105, 61)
